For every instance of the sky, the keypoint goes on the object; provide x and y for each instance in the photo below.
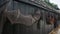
(56, 2)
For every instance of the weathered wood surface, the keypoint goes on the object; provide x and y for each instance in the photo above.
(17, 17)
(19, 22)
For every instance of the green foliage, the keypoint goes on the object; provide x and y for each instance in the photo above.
(52, 5)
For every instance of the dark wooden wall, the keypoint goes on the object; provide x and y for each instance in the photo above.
(26, 9)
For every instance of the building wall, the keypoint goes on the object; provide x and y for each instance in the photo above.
(33, 29)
